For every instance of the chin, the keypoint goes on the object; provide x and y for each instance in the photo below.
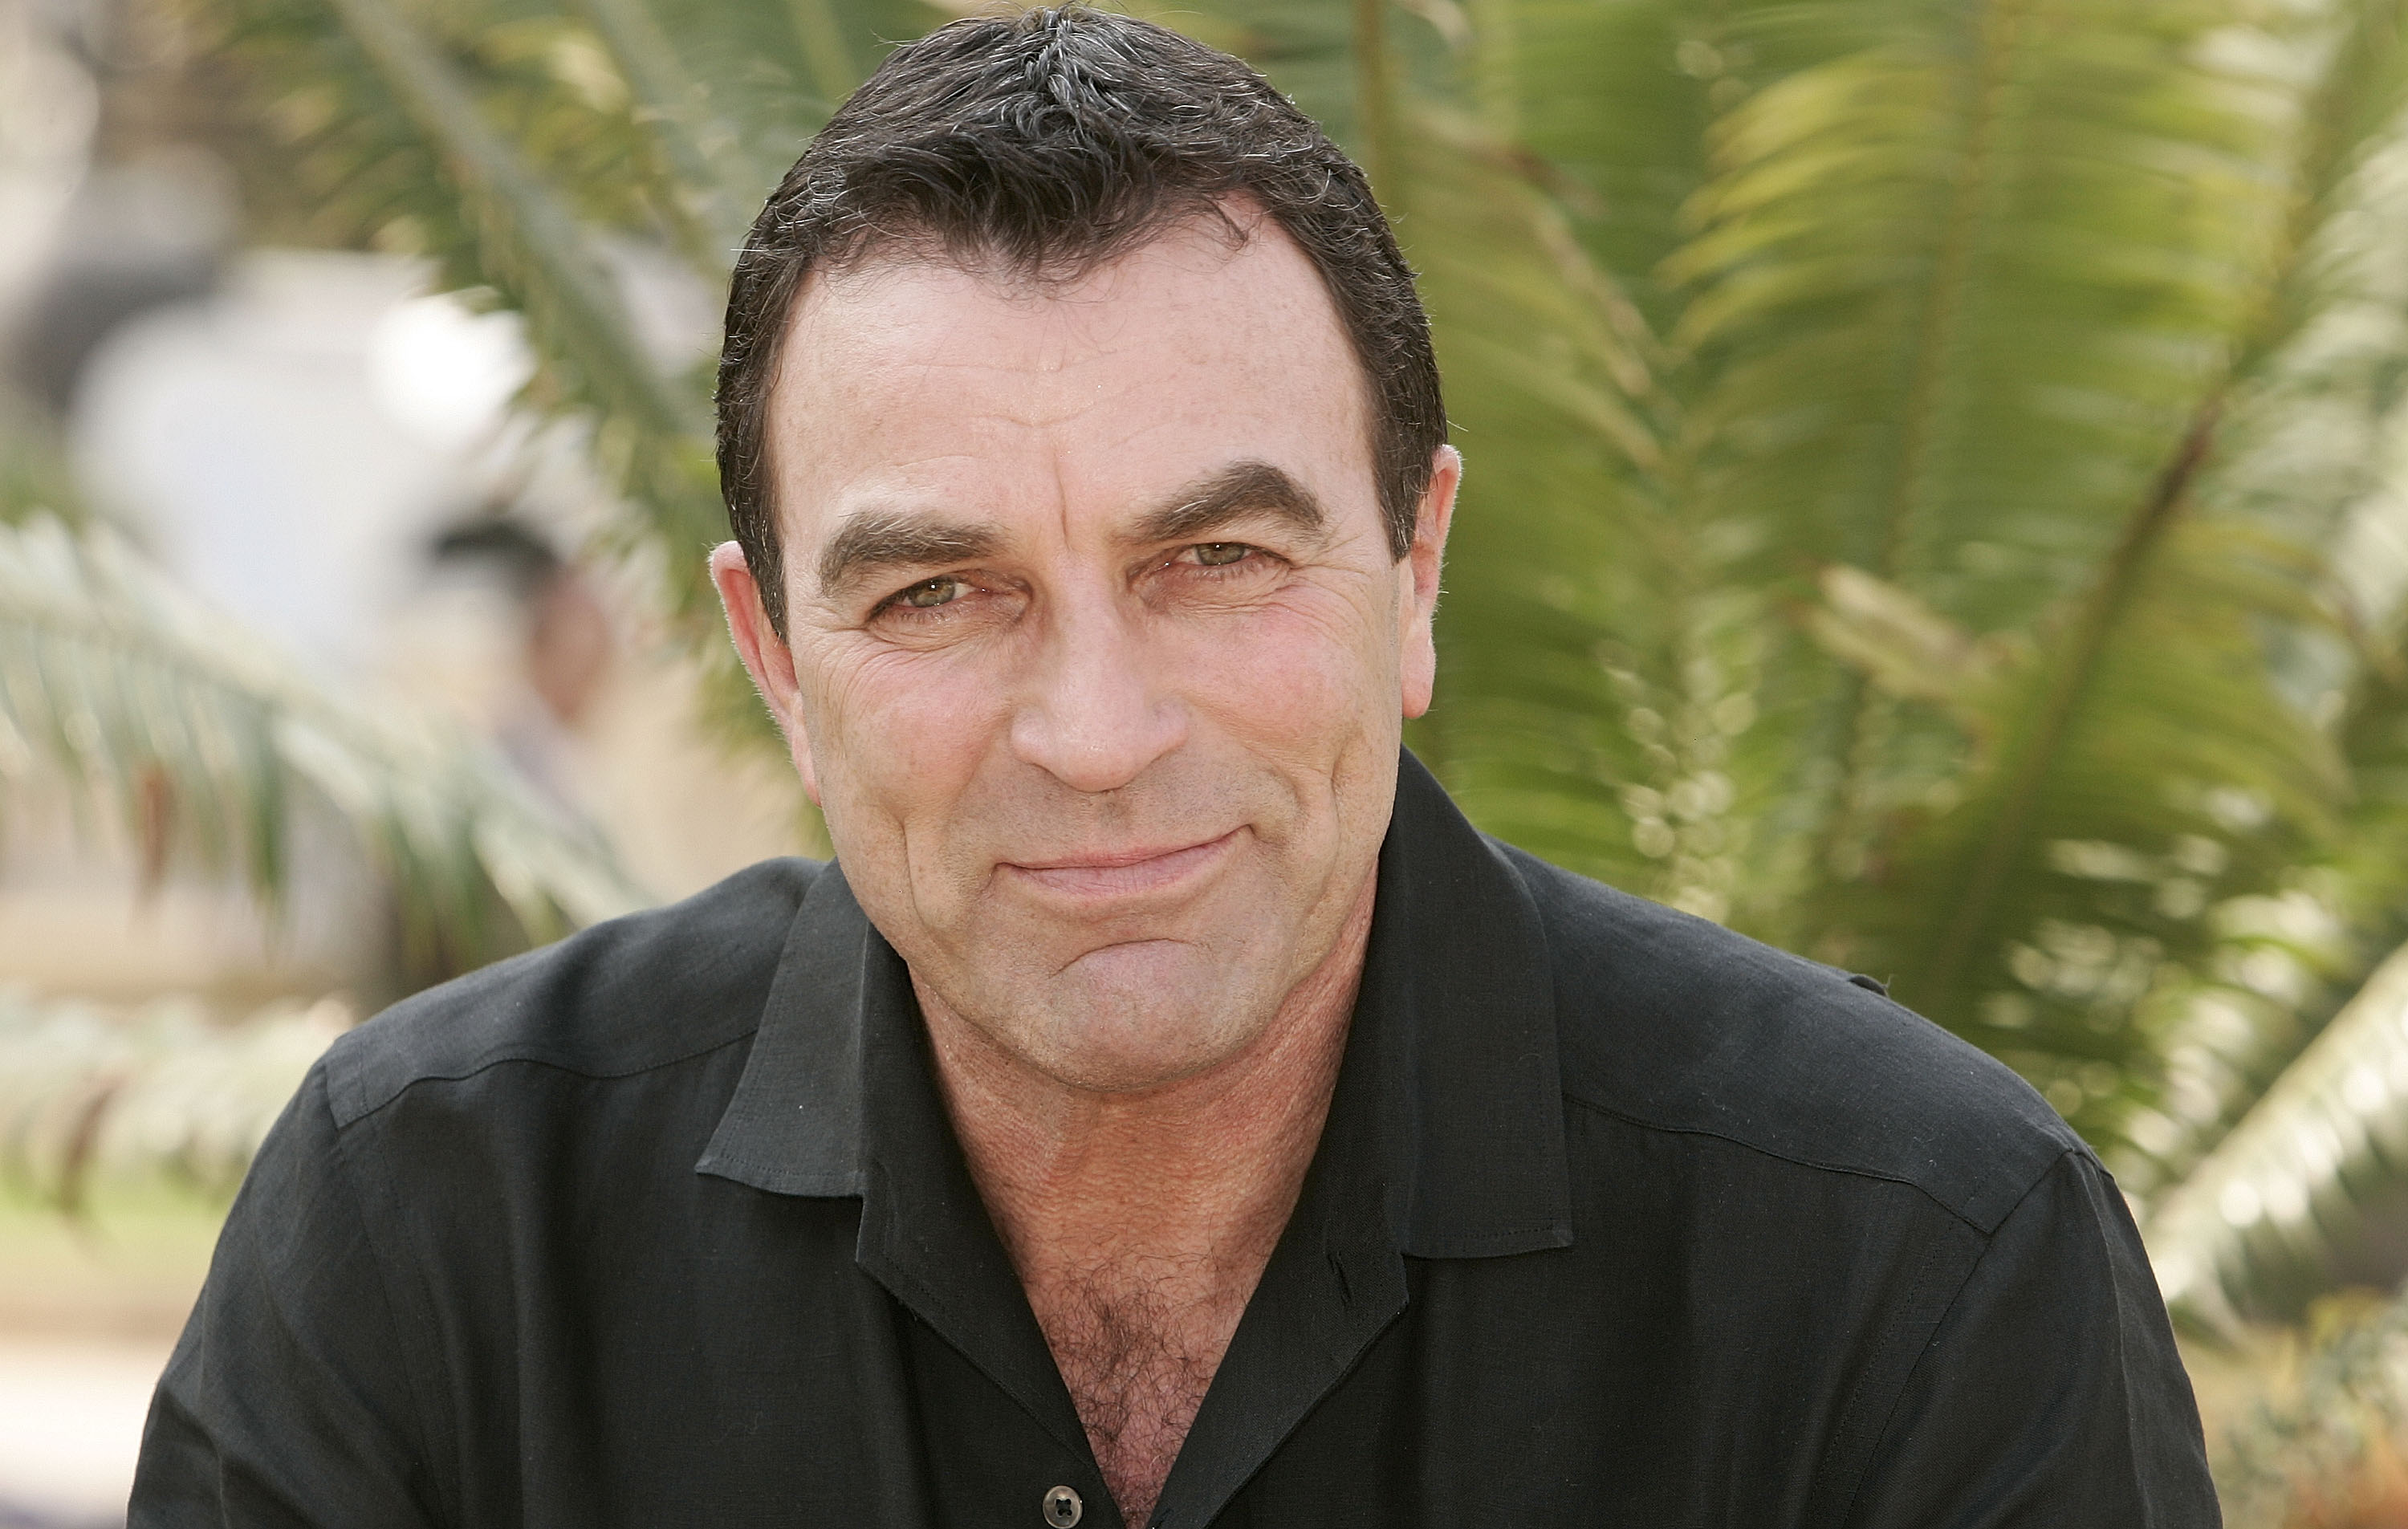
(1135, 1029)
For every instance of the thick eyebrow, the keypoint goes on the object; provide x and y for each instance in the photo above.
(875, 539)
(884, 539)
(1240, 489)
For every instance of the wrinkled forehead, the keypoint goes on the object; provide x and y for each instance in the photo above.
(911, 375)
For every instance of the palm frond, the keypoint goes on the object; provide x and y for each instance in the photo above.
(2281, 1188)
(164, 1095)
(2304, 453)
(531, 245)
(706, 152)
(2023, 274)
(1918, 262)
(1556, 405)
(205, 738)
(1617, 107)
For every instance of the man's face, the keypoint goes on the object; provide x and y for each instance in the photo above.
(1096, 653)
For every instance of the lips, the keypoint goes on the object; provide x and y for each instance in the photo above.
(1122, 873)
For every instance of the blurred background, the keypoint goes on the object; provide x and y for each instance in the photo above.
(1938, 502)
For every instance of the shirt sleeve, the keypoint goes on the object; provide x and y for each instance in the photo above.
(288, 1400)
(2049, 1395)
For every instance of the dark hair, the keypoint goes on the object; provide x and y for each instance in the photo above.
(1046, 144)
(526, 562)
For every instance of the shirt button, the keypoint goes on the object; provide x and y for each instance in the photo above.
(1063, 1508)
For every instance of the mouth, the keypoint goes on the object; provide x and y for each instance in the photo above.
(1122, 873)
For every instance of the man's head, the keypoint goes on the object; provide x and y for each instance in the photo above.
(1083, 446)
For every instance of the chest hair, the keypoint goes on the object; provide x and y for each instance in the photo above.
(1138, 1356)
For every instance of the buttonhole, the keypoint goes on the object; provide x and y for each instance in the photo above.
(1345, 1286)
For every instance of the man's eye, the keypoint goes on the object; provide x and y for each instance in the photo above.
(1219, 554)
(930, 593)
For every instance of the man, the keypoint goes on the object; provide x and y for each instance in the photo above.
(1165, 1109)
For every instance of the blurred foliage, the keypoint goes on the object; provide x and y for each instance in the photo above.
(2322, 1448)
(34, 478)
(165, 1094)
(203, 737)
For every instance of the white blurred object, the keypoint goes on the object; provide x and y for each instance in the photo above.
(445, 372)
(71, 1415)
(289, 443)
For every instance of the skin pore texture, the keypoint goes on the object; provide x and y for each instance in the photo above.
(1096, 662)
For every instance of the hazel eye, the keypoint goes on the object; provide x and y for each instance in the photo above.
(930, 593)
(1219, 554)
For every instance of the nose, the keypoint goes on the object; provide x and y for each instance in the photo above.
(1095, 712)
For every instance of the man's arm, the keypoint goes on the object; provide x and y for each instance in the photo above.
(2049, 1395)
(288, 1401)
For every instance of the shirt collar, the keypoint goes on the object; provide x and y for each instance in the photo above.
(1449, 1097)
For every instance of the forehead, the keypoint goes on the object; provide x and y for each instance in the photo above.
(908, 383)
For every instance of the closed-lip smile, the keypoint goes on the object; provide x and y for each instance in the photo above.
(1120, 873)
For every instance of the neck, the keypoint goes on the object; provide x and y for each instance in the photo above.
(1141, 1221)
(1208, 1165)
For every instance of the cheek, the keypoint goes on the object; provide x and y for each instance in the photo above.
(896, 735)
(1301, 678)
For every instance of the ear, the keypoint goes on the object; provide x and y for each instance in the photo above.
(1417, 580)
(768, 657)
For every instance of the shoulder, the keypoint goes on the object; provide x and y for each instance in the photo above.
(1676, 1025)
(619, 998)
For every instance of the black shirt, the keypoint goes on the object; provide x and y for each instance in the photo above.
(1618, 1218)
